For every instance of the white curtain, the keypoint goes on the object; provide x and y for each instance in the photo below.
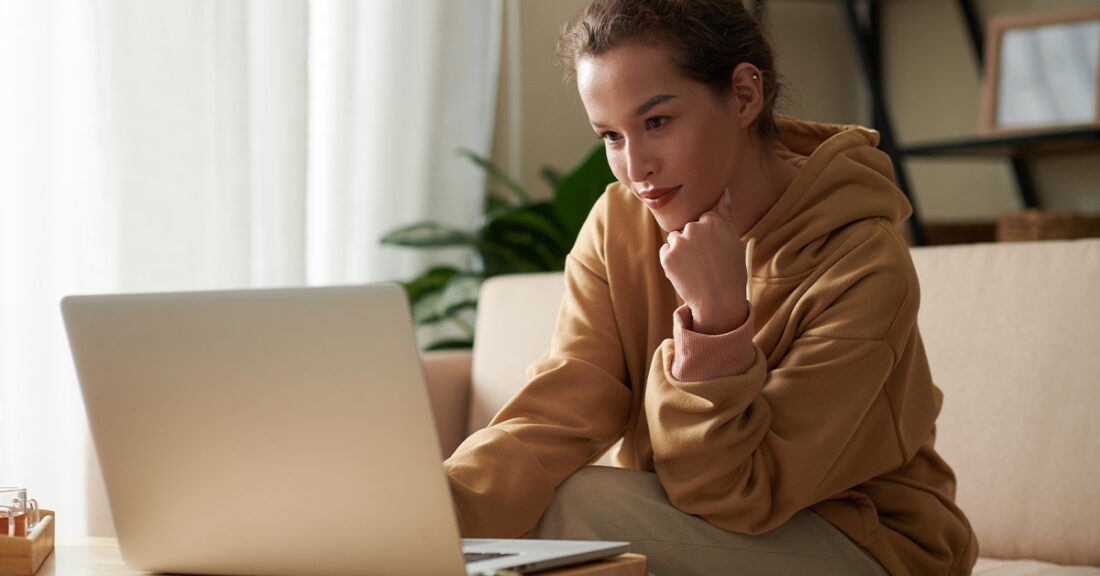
(195, 144)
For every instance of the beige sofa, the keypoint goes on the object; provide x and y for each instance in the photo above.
(1013, 337)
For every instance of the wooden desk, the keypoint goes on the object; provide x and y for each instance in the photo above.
(86, 557)
(100, 557)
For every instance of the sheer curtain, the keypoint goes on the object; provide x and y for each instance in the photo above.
(195, 144)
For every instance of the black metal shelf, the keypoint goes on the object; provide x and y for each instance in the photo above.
(1037, 143)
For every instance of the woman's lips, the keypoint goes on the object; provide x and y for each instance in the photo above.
(658, 197)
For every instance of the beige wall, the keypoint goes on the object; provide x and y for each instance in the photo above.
(931, 81)
(546, 124)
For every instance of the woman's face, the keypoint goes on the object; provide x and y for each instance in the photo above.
(668, 137)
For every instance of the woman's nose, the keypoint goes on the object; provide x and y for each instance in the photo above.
(641, 164)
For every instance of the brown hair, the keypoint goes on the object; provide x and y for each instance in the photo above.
(707, 38)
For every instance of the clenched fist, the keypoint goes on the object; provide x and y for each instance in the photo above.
(706, 264)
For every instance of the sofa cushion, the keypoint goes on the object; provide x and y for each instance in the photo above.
(1012, 334)
(992, 567)
(515, 320)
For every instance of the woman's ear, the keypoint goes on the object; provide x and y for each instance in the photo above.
(748, 93)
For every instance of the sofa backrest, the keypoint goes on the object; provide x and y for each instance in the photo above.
(1012, 334)
(515, 318)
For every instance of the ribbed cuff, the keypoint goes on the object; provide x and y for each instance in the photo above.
(701, 357)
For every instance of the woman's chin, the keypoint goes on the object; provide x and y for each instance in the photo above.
(668, 222)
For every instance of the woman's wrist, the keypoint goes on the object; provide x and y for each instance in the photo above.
(700, 356)
(720, 321)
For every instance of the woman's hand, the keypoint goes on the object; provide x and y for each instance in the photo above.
(706, 264)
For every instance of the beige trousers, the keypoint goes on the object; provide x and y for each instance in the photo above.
(601, 503)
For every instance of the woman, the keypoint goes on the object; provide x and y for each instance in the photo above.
(774, 403)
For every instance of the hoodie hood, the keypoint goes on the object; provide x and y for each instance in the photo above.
(843, 179)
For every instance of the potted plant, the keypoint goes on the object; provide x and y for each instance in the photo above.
(515, 234)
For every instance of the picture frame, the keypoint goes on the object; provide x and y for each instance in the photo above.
(1042, 72)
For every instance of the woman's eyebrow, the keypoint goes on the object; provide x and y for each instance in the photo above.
(645, 107)
(649, 104)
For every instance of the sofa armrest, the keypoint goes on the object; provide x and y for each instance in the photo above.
(447, 373)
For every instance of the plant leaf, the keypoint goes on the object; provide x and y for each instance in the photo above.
(433, 279)
(509, 258)
(535, 220)
(580, 189)
(461, 293)
(429, 235)
(527, 239)
(450, 344)
(552, 176)
(497, 174)
(494, 203)
(425, 309)
(515, 235)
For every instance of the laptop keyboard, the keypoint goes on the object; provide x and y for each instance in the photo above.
(478, 556)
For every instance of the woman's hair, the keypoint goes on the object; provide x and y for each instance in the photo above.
(707, 40)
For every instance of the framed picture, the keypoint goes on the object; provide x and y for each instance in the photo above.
(1042, 72)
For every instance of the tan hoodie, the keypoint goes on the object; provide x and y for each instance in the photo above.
(832, 407)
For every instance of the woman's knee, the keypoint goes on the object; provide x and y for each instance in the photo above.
(597, 502)
(596, 485)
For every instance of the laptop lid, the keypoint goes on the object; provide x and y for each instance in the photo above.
(268, 432)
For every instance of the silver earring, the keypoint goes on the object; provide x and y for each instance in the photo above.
(755, 77)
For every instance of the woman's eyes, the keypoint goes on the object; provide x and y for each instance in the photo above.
(650, 124)
(655, 122)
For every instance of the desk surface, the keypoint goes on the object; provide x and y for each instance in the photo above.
(100, 557)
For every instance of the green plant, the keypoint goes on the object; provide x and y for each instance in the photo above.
(516, 234)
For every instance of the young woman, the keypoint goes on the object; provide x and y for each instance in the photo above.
(741, 311)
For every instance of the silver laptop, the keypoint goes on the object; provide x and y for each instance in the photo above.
(275, 432)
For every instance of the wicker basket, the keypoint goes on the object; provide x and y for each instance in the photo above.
(1038, 225)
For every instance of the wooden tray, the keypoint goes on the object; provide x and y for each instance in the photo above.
(21, 556)
(622, 565)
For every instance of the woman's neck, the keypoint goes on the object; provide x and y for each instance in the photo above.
(766, 177)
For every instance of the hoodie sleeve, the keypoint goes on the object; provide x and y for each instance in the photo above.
(748, 451)
(574, 406)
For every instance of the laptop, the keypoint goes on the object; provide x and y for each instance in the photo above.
(276, 432)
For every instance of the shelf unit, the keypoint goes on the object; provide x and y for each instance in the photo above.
(864, 18)
(1030, 144)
